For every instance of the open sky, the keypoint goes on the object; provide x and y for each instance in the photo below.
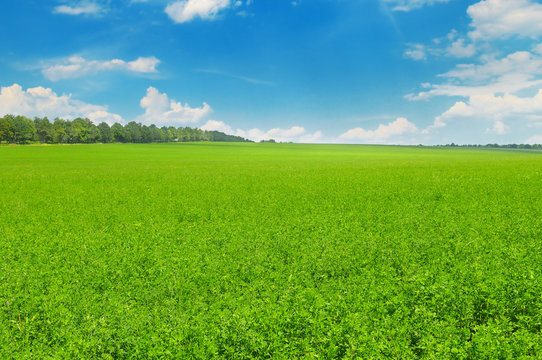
(351, 71)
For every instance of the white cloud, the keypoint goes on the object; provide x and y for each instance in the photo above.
(99, 116)
(77, 66)
(500, 19)
(490, 20)
(460, 50)
(521, 62)
(492, 92)
(538, 49)
(83, 8)
(160, 110)
(315, 137)
(277, 133)
(187, 10)
(215, 125)
(492, 108)
(416, 52)
(141, 64)
(39, 101)
(399, 131)
(499, 128)
(501, 94)
(293, 134)
(506, 84)
(518, 71)
(407, 5)
(457, 47)
(296, 134)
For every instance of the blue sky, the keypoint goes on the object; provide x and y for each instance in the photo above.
(356, 71)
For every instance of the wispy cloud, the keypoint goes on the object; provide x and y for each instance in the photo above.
(416, 52)
(408, 5)
(77, 66)
(452, 45)
(238, 77)
(385, 9)
(81, 8)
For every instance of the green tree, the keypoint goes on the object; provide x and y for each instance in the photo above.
(6, 128)
(156, 134)
(23, 129)
(172, 133)
(45, 131)
(165, 133)
(117, 131)
(146, 135)
(132, 130)
(220, 136)
(94, 133)
(183, 134)
(60, 134)
(78, 131)
(84, 131)
(105, 132)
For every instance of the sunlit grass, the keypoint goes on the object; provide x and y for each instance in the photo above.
(269, 251)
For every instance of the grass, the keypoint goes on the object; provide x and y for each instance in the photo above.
(177, 251)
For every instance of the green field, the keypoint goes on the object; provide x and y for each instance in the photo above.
(237, 251)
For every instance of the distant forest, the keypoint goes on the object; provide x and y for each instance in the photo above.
(503, 146)
(22, 130)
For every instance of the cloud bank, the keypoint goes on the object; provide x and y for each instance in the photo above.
(492, 92)
(400, 131)
(501, 19)
(499, 93)
(40, 101)
(292, 134)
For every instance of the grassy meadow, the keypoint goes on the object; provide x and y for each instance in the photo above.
(282, 251)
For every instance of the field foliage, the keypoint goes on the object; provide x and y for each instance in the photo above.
(238, 251)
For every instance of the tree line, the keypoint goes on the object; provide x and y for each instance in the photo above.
(22, 130)
(499, 146)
